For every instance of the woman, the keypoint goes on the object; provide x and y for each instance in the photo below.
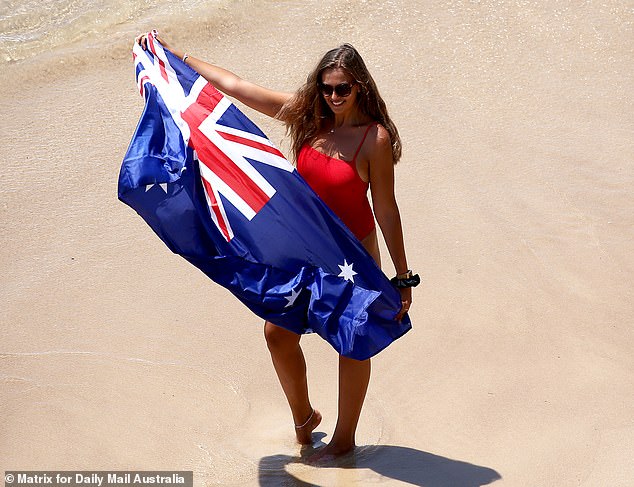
(344, 142)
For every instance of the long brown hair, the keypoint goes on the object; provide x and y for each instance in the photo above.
(306, 113)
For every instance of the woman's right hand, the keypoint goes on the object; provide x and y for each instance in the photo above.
(261, 99)
(141, 40)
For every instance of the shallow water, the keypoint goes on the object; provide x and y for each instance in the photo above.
(29, 27)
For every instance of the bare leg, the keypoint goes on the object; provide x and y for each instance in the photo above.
(354, 377)
(289, 363)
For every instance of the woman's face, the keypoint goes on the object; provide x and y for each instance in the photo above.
(335, 83)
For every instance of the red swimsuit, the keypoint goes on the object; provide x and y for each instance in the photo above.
(339, 185)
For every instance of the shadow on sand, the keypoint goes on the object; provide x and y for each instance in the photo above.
(405, 464)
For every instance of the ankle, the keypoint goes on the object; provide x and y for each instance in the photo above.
(344, 442)
(303, 415)
(305, 423)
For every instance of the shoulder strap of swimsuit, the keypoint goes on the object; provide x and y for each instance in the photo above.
(363, 140)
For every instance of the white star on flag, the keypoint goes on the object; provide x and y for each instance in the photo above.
(291, 299)
(163, 186)
(346, 271)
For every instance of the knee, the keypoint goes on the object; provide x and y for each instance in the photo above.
(278, 338)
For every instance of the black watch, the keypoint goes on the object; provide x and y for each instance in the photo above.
(408, 279)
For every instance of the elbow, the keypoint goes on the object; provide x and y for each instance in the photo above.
(386, 217)
(231, 86)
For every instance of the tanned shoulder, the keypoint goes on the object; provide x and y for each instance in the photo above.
(381, 143)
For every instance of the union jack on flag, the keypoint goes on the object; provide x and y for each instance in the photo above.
(209, 122)
(217, 192)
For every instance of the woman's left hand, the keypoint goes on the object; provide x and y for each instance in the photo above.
(406, 302)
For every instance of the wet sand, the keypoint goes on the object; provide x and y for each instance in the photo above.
(516, 191)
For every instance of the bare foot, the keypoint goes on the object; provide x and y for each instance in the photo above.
(329, 453)
(304, 433)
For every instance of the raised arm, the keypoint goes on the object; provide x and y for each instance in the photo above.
(385, 207)
(254, 96)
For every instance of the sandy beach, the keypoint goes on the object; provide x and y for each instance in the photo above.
(516, 189)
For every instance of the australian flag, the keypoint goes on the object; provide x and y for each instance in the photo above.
(218, 193)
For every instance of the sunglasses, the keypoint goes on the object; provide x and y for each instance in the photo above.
(342, 89)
